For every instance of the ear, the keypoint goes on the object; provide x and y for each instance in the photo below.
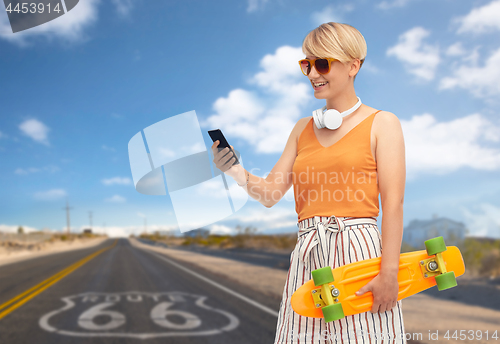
(355, 65)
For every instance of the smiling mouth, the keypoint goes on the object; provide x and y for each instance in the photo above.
(319, 84)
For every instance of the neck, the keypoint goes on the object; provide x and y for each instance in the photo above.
(342, 102)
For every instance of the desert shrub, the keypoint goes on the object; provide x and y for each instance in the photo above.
(481, 256)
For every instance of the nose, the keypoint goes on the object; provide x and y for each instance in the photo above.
(313, 74)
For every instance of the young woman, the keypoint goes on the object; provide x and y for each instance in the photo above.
(338, 161)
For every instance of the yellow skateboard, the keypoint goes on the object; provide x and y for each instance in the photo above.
(330, 294)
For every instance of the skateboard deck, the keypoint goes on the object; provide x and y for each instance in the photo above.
(417, 272)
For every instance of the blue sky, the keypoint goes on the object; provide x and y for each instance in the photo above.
(75, 90)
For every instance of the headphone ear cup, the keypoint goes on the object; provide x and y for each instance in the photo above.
(332, 119)
(318, 120)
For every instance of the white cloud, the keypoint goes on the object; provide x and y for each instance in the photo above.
(456, 49)
(481, 19)
(13, 229)
(248, 107)
(264, 118)
(280, 71)
(26, 171)
(36, 130)
(109, 149)
(123, 6)
(220, 230)
(265, 217)
(331, 13)
(420, 59)
(434, 147)
(116, 199)
(482, 82)
(50, 195)
(117, 181)
(385, 5)
(30, 170)
(370, 68)
(111, 231)
(255, 5)
(68, 27)
(121, 231)
(212, 188)
(483, 221)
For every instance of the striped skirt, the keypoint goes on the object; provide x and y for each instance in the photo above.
(335, 241)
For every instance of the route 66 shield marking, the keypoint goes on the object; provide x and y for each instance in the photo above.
(139, 315)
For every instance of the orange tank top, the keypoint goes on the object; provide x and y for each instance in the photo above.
(338, 180)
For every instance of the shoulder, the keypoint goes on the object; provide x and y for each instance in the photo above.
(301, 123)
(300, 126)
(387, 129)
(386, 121)
(386, 117)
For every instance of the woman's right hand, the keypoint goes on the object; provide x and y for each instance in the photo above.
(222, 160)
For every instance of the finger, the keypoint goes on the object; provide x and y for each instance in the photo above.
(389, 306)
(230, 162)
(383, 307)
(220, 160)
(227, 153)
(226, 165)
(363, 289)
(214, 148)
(227, 157)
(221, 153)
(375, 307)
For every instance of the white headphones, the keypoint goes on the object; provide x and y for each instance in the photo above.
(332, 119)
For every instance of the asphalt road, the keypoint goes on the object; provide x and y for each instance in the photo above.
(128, 295)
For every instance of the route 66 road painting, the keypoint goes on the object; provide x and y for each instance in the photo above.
(139, 315)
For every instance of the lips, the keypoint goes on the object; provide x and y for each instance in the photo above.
(319, 85)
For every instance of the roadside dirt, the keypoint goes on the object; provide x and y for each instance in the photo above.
(8, 256)
(470, 317)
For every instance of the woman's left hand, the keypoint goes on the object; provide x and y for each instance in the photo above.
(385, 292)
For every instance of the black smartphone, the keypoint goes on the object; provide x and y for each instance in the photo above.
(217, 135)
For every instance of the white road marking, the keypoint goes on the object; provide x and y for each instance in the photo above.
(160, 314)
(86, 319)
(220, 286)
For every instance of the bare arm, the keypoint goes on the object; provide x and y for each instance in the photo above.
(271, 189)
(391, 171)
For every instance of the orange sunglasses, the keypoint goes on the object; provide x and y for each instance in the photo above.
(322, 65)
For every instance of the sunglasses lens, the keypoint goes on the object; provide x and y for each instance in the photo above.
(305, 66)
(322, 66)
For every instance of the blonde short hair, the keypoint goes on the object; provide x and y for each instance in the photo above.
(340, 41)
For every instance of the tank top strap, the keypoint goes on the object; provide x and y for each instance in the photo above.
(308, 137)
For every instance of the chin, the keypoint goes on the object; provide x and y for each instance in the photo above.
(319, 95)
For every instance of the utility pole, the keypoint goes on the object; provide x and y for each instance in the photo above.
(67, 208)
(90, 219)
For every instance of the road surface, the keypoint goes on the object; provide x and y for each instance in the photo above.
(118, 293)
